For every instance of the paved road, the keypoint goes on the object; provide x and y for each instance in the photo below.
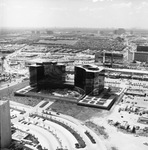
(78, 126)
(40, 134)
(64, 135)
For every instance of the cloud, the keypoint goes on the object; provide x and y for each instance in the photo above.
(58, 9)
(141, 8)
(122, 5)
(101, 1)
(3, 4)
(145, 3)
(83, 9)
(94, 1)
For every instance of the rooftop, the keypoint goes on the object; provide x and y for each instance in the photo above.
(91, 68)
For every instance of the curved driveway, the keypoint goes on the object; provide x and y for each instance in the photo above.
(46, 139)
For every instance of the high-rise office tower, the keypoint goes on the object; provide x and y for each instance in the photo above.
(54, 72)
(47, 74)
(5, 125)
(90, 78)
(36, 74)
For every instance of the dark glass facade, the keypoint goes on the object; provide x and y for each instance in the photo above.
(47, 74)
(89, 78)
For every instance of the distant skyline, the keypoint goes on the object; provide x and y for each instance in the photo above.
(74, 13)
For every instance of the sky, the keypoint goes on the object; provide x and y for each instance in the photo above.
(74, 13)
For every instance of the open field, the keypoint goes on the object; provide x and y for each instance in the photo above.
(78, 112)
